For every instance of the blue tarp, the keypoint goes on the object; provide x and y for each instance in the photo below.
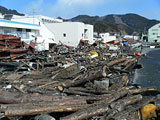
(125, 43)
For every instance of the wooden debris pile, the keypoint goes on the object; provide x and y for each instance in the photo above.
(76, 87)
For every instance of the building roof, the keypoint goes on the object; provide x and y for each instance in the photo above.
(156, 26)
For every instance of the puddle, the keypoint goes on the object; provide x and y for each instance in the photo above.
(138, 66)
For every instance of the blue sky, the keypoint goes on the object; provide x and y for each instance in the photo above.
(72, 8)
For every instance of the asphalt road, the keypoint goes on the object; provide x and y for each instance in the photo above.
(149, 74)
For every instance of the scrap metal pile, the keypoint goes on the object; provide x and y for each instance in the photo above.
(12, 46)
(72, 84)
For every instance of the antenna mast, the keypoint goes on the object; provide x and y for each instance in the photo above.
(33, 13)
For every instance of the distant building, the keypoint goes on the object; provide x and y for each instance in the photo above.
(154, 33)
(130, 37)
(106, 37)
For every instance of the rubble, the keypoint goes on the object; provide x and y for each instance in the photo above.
(70, 84)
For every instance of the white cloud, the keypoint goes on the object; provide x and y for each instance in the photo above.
(65, 8)
(84, 2)
(70, 8)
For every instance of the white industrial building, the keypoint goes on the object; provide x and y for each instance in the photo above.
(154, 33)
(45, 30)
(70, 33)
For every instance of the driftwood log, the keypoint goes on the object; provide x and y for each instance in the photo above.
(97, 108)
(124, 114)
(14, 98)
(106, 67)
(116, 61)
(73, 83)
(10, 110)
(121, 104)
(123, 82)
(142, 90)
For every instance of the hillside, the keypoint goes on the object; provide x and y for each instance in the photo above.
(128, 23)
(99, 25)
(4, 10)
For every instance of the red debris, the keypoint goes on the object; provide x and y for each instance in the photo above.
(139, 54)
(12, 46)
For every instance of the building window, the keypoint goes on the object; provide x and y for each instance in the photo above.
(19, 29)
(154, 29)
(154, 33)
(64, 34)
(85, 33)
(28, 30)
(7, 31)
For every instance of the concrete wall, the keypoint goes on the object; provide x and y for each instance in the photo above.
(70, 33)
(90, 33)
(67, 33)
(46, 33)
(154, 33)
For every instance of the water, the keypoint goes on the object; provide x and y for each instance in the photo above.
(149, 74)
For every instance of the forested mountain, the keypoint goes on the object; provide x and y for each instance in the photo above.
(128, 23)
(4, 10)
